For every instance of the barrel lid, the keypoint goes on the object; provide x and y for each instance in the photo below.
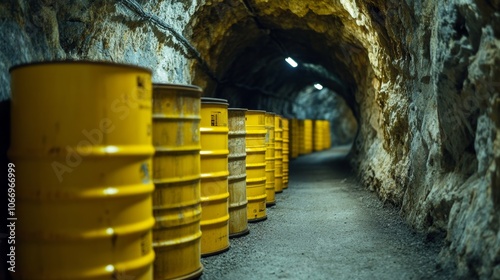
(238, 109)
(81, 62)
(270, 113)
(211, 100)
(257, 111)
(177, 86)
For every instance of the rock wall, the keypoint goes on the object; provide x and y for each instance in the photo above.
(94, 30)
(426, 81)
(421, 77)
(451, 155)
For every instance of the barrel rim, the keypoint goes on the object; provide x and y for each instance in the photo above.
(213, 100)
(237, 109)
(82, 62)
(256, 111)
(177, 86)
(271, 113)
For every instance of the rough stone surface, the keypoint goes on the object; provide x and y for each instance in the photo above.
(422, 79)
(93, 30)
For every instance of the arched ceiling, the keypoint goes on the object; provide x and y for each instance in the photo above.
(245, 44)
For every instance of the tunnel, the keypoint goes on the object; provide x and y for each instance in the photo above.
(411, 90)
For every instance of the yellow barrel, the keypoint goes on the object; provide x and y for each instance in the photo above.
(294, 139)
(302, 138)
(327, 134)
(308, 136)
(319, 138)
(271, 198)
(278, 154)
(286, 151)
(256, 165)
(324, 136)
(82, 150)
(214, 175)
(176, 174)
(238, 221)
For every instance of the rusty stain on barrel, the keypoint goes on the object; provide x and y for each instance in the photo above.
(238, 221)
(256, 165)
(82, 149)
(214, 176)
(176, 174)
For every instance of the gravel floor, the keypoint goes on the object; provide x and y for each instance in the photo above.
(326, 226)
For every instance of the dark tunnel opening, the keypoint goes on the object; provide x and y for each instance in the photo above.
(256, 76)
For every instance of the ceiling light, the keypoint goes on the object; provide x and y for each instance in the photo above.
(318, 86)
(292, 62)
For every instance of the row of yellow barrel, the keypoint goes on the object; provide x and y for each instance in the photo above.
(242, 163)
(136, 180)
(309, 136)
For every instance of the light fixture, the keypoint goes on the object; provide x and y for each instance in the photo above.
(318, 86)
(292, 62)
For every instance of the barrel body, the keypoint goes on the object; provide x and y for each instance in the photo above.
(176, 174)
(327, 134)
(270, 160)
(302, 138)
(294, 139)
(319, 137)
(286, 150)
(308, 136)
(278, 154)
(82, 150)
(238, 221)
(214, 176)
(256, 165)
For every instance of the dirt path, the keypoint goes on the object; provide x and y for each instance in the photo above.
(326, 226)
